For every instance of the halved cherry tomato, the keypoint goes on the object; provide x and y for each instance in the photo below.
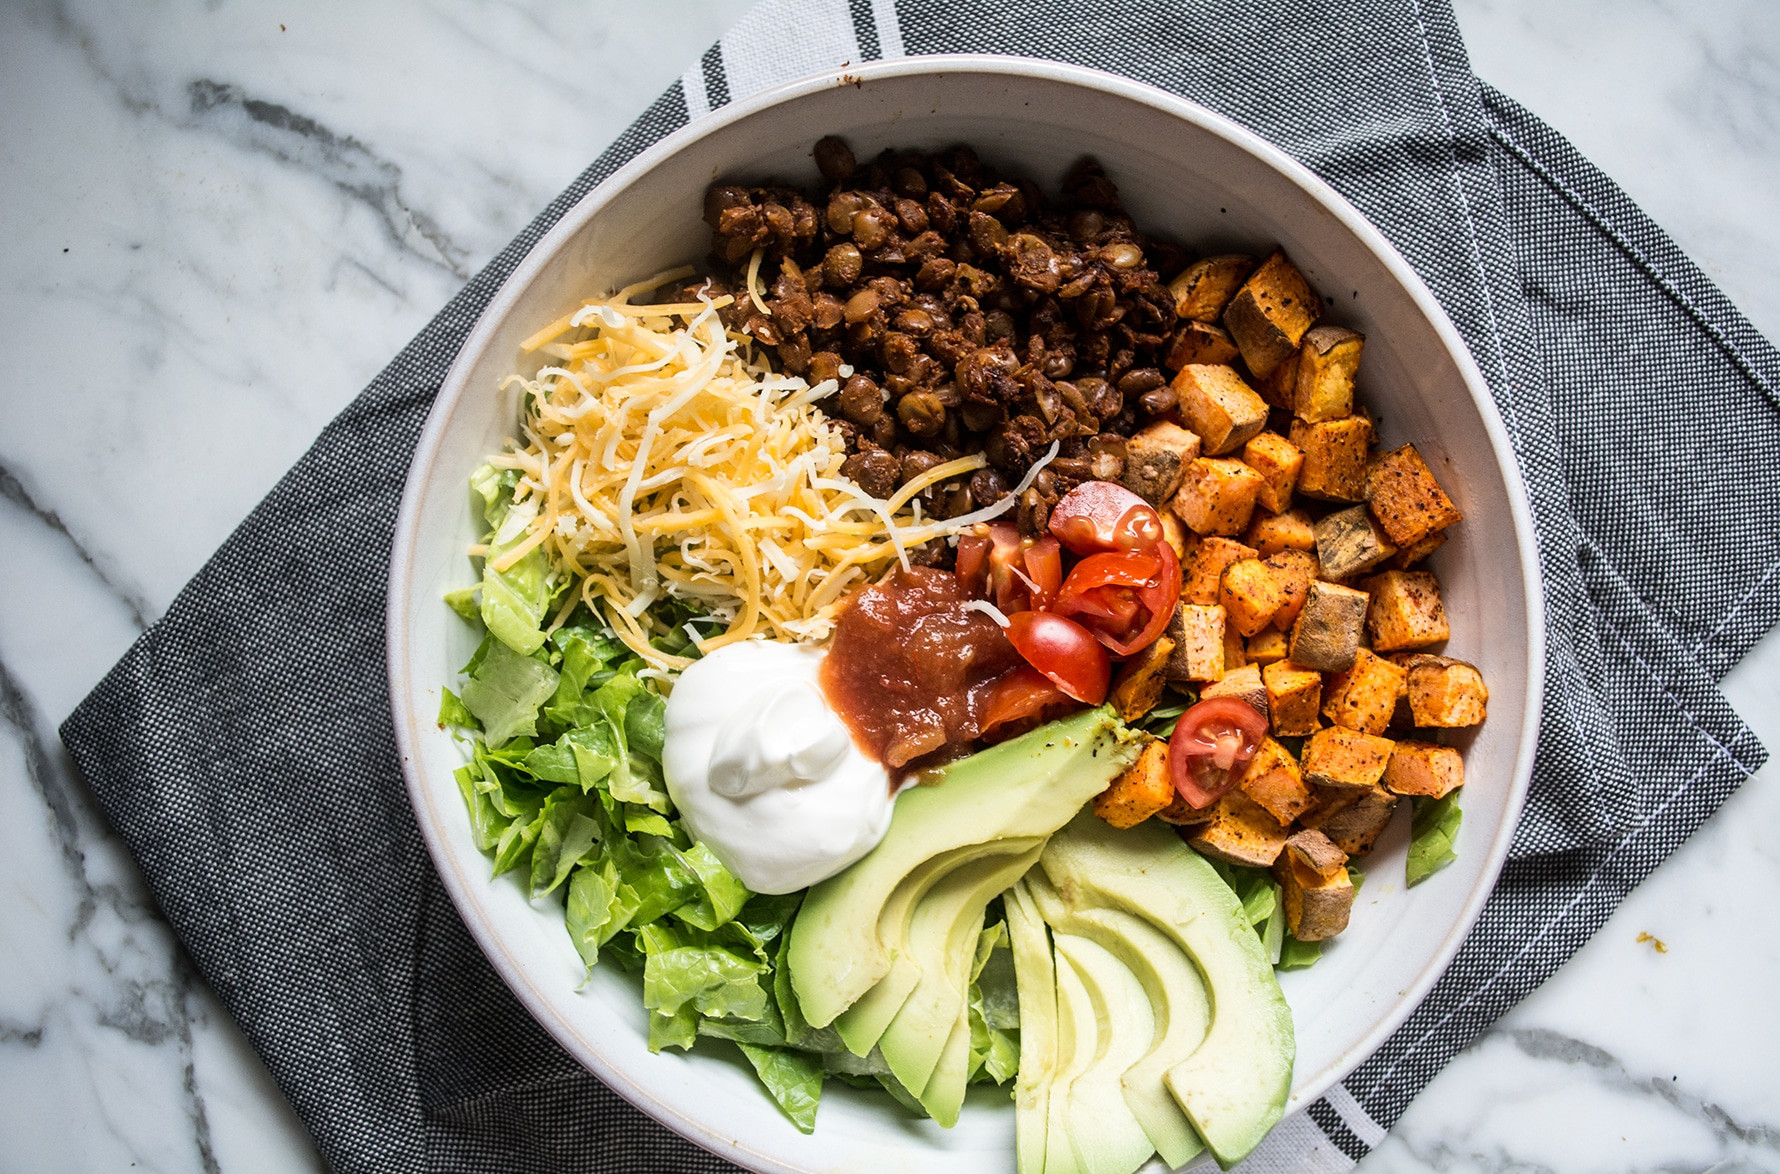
(1064, 651)
(1016, 574)
(1099, 515)
(1212, 742)
(1125, 598)
(1023, 693)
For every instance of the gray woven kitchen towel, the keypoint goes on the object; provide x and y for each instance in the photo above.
(244, 750)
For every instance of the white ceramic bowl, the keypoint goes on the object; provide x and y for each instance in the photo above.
(1183, 172)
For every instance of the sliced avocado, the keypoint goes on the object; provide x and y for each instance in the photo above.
(1028, 786)
(1178, 1006)
(941, 940)
(1235, 1084)
(1036, 981)
(862, 1025)
(1078, 1035)
(943, 1097)
(1106, 1135)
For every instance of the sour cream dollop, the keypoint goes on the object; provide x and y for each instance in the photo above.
(765, 773)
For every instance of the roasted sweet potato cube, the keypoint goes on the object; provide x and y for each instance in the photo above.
(1198, 635)
(1410, 556)
(1326, 634)
(1206, 286)
(1183, 814)
(1277, 460)
(1349, 543)
(1273, 780)
(1445, 693)
(1139, 684)
(1312, 850)
(1343, 759)
(1242, 683)
(1294, 696)
(1354, 822)
(1199, 342)
(1295, 570)
(1217, 496)
(1280, 388)
(1364, 697)
(1174, 532)
(1270, 313)
(1316, 907)
(1264, 648)
(1235, 651)
(1203, 570)
(1425, 769)
(1251, 595)
(1405, 611)
(1156, 459)
(1271, 533)
(1146, 787)
(1403, 495)
(1335, 453)
(1215, 403)
(1240, 831)
(1327, 360)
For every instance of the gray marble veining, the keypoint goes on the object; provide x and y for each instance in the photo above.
(219, 226)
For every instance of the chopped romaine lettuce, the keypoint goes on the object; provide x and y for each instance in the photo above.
(1433, 831)
(793, 1078)
(505, 690)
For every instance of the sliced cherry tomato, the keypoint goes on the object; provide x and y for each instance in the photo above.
(1023, 574)
(1064, 651)
(1212, 742)
(1099, 515)
(1125, 598)
(1025, 693)
(972, 566)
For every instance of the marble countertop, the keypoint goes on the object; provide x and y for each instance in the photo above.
(243, 212)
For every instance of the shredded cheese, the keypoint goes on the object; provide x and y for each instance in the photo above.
(662, 457)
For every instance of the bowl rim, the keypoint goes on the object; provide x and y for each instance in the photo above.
(406, 533)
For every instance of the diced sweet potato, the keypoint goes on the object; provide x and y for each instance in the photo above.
(1139, 684)
(1156, 460)
(1364, 697)
(1277, 460)
(1251, 595)
(1353, 823)
(1198, 635)
(1206, 286)
(1425, 769)
(1183, 814)
(1240, 831)
(1244, 684)
(1316, 907)
(1317, 852)
(1335, 453)
(1445, 693)
(1294, 696)
(1271, 533)
(1409, 556)
(1215, 403)
(1295, 570)
(1326, 634)
(1280, 387)
(1175, 533)
(1405, 611)
(1327, 360)
(1349, 543)
(1217, 496)
(1270, 313)
(1146, 787)
(1264, 648)
(1340, 758)
(1273, 780)
(1235, 651)
(1203, 570)
(1199, 342)
(1405, 498)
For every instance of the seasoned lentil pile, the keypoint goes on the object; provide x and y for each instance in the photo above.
(970, 312)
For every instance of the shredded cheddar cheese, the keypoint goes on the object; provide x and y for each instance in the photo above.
(662, 457)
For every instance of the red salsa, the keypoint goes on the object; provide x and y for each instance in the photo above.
(911, 671)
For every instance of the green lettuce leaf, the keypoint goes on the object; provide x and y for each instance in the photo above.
(452, 712)
(1296, 955)
(505, 690)
(994, 1004)
(463, 602)
(1435, 828)
(793, 1078)
(567, 831)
